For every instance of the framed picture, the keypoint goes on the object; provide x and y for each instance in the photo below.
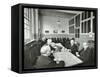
(37, 47)
(63, 31)
(55, 31)
(46, 31)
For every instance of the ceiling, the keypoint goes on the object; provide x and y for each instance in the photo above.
(59, 13)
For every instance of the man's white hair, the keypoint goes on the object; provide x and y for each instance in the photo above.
(43, 38)
(85, 44)
(49, 41)
(45, 49)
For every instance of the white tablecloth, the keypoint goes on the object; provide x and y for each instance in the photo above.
(67, 57)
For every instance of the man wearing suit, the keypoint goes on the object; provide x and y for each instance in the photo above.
(42, 41)
(44, 61)
(86, 55)
(73, 47)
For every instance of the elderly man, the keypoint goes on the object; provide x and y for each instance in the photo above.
(86, 55)
(44, 61)
(73, 47)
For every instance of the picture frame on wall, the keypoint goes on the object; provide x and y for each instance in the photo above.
(37, 45)
(55, 31)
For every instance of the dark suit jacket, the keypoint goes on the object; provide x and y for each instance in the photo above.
(67, 43)
(46, 62)
(87, 56)
(31, 51)
(74, 49)
(42, 42)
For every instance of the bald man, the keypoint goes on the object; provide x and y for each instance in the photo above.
(73, 47)
(86, 55)
(44, 61)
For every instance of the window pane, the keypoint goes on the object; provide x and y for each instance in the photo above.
(89, 26)
(27, 25)
(71, 21)
(84, 27)
(89, 14)
(93, 13)
(27, 34)
(94, 25)
(75, 31)
(77, 21)
(71, 29)
(78, 31)
(75, 35)
(83, 15)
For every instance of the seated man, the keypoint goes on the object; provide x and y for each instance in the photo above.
(54, 46)
(44, 61)
(86, 55)
(67, 43)
(73, 47)
(42, 41)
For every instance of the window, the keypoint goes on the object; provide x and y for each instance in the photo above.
(26, 25)
(89, 14)
(71, 22)
(77, 20)
(86, 14)
(71, 29)
(82, 27)
(93, 25)
(89, 26)
(29, 27)
(74, 26)
(86, 27)
(77, 26)
(77, 33)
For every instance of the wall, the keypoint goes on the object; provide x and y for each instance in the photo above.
(50, 23)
